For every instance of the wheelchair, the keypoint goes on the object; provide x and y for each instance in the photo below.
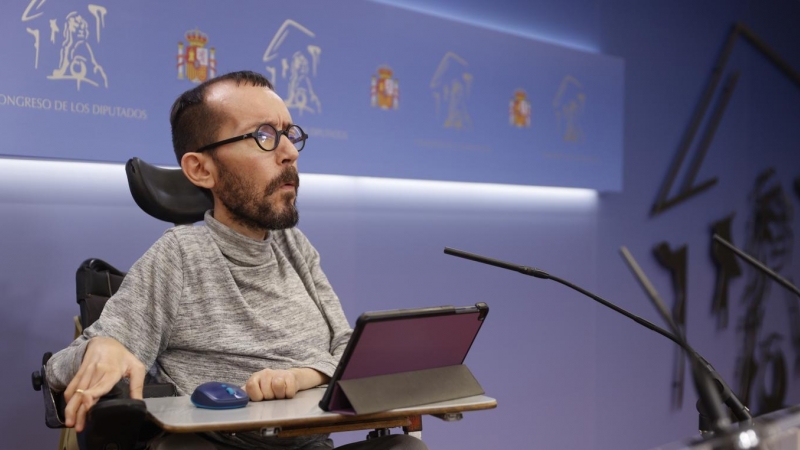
(117, 421)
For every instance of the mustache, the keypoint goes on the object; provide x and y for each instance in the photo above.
(288, 176)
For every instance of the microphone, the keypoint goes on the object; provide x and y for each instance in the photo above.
(720, 422)
(758, 265)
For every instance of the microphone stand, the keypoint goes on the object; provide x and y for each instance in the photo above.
(704, 374)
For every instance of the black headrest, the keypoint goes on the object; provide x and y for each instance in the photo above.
(166, 194)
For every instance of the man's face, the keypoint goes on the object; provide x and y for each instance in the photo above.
(258, 188)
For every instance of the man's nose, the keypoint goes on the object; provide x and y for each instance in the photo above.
(286, 151)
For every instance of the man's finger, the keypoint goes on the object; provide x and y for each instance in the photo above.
(291, 387)
(87, 399)
(71, 410)
(73, 384)
(97, 375)
(265, 383)
(76, 397)
(253, 389)
(279, 387)
(102, 386)
(86, 404)
(80, 420)
(136, 378)
(79, 381)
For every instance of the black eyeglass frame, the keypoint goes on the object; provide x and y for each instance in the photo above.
(254, 135)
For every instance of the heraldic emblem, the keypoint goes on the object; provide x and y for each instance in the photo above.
(385, 90)
(519, 110)
(196, 63)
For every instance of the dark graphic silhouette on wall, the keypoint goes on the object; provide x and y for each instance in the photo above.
(769, 239)
(689, 188)
(727, 269)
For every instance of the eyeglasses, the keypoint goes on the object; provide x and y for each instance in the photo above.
(267, 137)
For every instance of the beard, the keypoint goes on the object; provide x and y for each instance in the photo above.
(255, 209)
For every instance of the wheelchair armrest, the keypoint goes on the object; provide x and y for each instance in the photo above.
(54, 403)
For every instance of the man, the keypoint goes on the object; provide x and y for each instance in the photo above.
(241, 300)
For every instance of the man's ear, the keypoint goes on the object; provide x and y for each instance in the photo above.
(199, 169)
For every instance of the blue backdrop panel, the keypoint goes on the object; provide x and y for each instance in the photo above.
(381, 91)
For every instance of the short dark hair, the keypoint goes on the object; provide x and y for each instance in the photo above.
(194, 123)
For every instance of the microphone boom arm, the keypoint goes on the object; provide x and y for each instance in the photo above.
(721, 423)
(758, 265)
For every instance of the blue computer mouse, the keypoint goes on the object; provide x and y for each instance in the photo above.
(216, 395)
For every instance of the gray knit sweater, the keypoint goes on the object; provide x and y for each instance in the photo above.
(206, 303)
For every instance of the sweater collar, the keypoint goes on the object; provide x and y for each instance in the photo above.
(238, 248)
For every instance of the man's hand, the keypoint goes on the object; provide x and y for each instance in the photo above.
(105, 362)
(271, 384)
